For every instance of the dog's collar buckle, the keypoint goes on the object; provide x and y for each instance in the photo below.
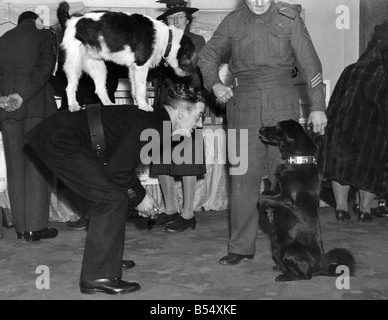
(302, 160)
(169, 45)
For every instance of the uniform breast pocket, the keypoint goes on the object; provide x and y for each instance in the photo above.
(279, 41)
(239, 45)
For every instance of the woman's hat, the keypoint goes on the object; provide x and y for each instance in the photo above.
(174, 6)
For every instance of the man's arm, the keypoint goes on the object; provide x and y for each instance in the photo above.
(308, 59)
(211, 54)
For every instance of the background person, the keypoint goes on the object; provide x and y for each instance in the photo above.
(27, 60)
(265, 40)
(357, 151)
(179, 15)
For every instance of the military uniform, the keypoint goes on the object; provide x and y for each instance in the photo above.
(264, 50)
(27, 60)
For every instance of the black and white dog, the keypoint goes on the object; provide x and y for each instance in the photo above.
(136, 41)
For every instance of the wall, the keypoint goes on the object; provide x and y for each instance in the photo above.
(213, 4)
(336, 48)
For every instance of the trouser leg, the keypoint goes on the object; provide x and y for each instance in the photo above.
(246, 112)
(104, 246)
(38, 185)
(16, 176)
(245, 191)
(28, 180)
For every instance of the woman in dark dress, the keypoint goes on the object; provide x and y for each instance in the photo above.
(179, 15)
(357, 130)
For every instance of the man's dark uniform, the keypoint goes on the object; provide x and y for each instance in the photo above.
(27, 59)
(63, 143)
(264, 50)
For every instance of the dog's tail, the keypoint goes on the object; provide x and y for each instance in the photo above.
(63, 14)
(335, 258)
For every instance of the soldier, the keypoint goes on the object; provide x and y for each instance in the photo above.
(265, 39)
(27, 60)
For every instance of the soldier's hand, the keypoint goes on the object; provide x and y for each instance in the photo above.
(318, 120)
(222, 92)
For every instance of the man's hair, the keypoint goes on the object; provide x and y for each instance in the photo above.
(183, 93)
(27, 15)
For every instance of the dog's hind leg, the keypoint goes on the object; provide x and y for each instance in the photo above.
(98, 72)
(297, 263)
(140, 79)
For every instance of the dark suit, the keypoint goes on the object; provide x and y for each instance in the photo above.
(27, 59)
(67, 151)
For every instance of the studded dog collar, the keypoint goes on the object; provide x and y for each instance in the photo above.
(302, 160)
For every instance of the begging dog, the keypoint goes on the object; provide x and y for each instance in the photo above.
(292, 212)
(136, 41)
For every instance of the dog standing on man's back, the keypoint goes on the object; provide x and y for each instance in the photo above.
(292, 212)
(133, 40)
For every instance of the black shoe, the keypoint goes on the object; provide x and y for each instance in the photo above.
(112, 286)
(341, 215)
(127, 264)
(181, 224)
(81, 224)
(380, 211)
(364, 216)
(164, 218)
(32, 236)
(235, 258)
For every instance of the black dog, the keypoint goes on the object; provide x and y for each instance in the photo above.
(292, 212)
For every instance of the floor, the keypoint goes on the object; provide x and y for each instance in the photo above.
(185, 266)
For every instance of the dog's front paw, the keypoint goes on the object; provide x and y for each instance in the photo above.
(277, 267)
(74, 107)
(146, 107)
(291, 277)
